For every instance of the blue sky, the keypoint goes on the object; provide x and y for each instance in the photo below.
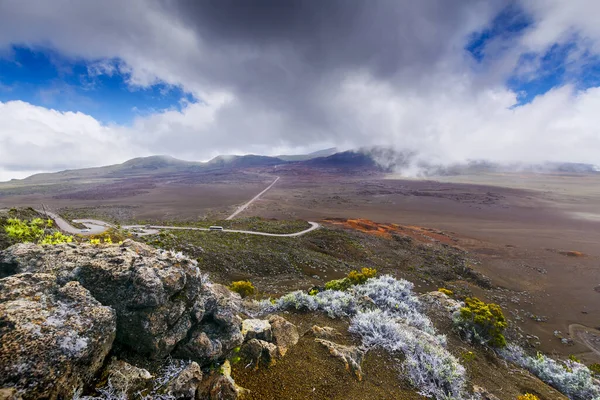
(46, 78)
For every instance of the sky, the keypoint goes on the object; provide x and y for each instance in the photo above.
(89, 83)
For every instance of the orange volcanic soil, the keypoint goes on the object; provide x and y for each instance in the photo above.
(425, 235)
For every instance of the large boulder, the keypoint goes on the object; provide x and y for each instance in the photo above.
(285, 334)
(161, 299)
(53, 338)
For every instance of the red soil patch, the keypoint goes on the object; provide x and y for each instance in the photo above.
(425, 235)
(571, 253)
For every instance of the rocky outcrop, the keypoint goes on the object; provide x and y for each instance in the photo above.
(126, 378)
(186, 384)
(260, 353)
(162, 302)
(53, 338)
(438, 305)
(220, 386)
(256, 329)
(285, 334)
(324, 332)
(351, 356)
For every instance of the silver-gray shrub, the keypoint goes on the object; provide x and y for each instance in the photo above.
(571, 378)
(428, 365)
(386, 313)
(397, 298)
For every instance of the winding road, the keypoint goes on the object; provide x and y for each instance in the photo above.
(94, 226)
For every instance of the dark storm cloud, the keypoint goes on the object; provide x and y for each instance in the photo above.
(388, 37)
(288, 56)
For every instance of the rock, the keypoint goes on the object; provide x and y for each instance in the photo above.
(9, 394)
(324, 332)
(126, 378)
(256, 329)
(218, 332)
(483, 393)
(187, 382)
(285, 334)
(439, 305)
(220, 386)
(260, 352)
(351, 356)
(160, 298)
(53, 339)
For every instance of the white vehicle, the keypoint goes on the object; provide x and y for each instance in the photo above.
(215, 228)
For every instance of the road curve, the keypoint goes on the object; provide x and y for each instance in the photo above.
(244, 206)
(152, 229)
(96, 227)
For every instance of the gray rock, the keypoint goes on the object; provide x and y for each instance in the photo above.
(218, 333)
(256, 329)
(127, 379)
(187, 382)
(161, 299)
(324, 332)
(285, 334)
(483, 393)
(53, 339)
(260, 353)
(351, 356)
(220, 386)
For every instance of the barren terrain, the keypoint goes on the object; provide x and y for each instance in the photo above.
(535, 236)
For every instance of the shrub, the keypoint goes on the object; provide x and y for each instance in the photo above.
(353, 278)
(481, 322)
(571, 378)
(36, 231)
(56, 238)
(23, 231)
(447, 292)
(338, 284)
(429, 366)
(595, 368)
(391, 321)
(528, 396)
(358, 278)
(244, 288)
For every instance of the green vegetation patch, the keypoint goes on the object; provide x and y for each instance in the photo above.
(482, 322)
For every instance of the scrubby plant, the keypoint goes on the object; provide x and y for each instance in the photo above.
(573, 379)
(481, 322)
(386, 313)
(447, 292)
(468, 356)
(56, 238)
(25, 231)
(528, 396)
(353, 278)
(338, 284)
(358, 278)
(244, 288)
(35, 231)
(595, 368)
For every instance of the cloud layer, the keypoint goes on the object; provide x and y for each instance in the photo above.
(274, 76)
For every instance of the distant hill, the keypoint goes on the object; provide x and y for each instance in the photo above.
(304, 157)
(247, 161)
(347, 159)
